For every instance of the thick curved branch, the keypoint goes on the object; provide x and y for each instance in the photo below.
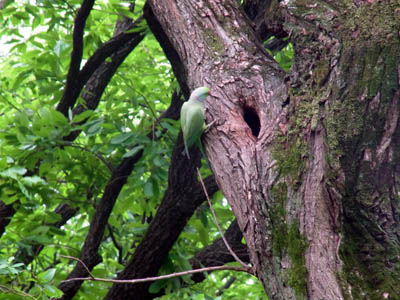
(102, 75)
(216, 254)
(110, 47)
(75, 83)
(76, 55)
(94, 90)
(183, 196)
(177, 66)
(77, 38)
(89, 254)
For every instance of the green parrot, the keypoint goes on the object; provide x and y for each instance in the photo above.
(192, 118)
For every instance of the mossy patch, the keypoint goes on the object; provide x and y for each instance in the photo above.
(289, 160)
(365, 23)
(297, 246)
(279, 226)
(287, 240)
(365, 270)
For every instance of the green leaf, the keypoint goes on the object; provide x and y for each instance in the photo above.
(11, 196)
(156, 286)
(148, 189)
(133, 151)
(52, 217)
(52, 291)
(203, 236)
(13, 172)
(58, 231)
(121, 138)
(156, 186)
(170, 125)
(199, 297)
(32, 180)
(203, 217)
(24, 191)
(47, 276)
(40, 239)
(94, 128)
(82, 116)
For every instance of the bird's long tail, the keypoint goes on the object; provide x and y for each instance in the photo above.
(186, 151)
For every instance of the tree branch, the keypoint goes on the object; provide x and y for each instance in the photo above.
(116, 244)
(89, 254)
(227, 285)
(77, 37)
(213, 255)
(217, 253)
(176, 63)
(110, 47)
(76, 55)
(83, 264)
(149, 279)
(181, 199)
(74, 85)
(94, 89)
(100, 78)
(249, 268)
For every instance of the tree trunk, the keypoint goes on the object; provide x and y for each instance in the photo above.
(308, 161)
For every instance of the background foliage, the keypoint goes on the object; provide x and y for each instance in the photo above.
(39, 170)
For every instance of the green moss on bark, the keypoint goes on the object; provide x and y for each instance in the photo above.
(364, 23)
(287, 241)
(364, 270)
(297, 246)
(369, 248)
(278, 218)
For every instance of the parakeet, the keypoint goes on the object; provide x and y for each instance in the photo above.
(192, 118)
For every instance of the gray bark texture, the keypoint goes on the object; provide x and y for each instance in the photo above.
(308, 160)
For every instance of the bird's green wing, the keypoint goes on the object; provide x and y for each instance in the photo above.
(192, 121)
(184, 126)
(192, 117)
(195, 123)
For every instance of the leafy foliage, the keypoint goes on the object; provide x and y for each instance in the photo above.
(40, 169)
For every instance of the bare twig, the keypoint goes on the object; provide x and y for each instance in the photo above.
(147, 279)
(83, 264)
(247, 267)
(10, 103)
(98, 155)
(12, 291)
(70, 6)
(154, 115)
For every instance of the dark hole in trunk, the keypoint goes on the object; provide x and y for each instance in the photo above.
(251, 118)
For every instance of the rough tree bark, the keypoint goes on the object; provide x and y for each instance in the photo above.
(308, 161)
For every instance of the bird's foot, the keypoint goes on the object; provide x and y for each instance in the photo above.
(209, 126)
